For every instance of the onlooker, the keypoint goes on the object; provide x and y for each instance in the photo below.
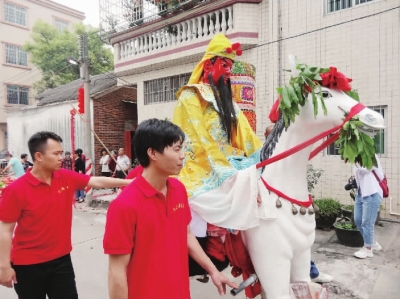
(80, 168)
(148, 239)
(368, 199)
(111, 164)
(105, 158)
(67, 161)
(15, 164)
(24, 160)
(123, 164)
(39, 207)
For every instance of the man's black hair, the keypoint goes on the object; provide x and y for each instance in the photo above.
(155, 134)
(38, 142)
(23, 156)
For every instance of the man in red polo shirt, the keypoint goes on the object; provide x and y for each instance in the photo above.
(147, 234)
(40, 203)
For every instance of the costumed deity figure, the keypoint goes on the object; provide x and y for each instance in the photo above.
(219, 139)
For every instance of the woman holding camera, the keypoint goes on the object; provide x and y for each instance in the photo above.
(368, 199)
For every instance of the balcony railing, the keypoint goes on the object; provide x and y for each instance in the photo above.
(184, 35)
(176, 34)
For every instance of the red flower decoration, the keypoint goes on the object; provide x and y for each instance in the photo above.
(307, 88)
(335, 79)
(274, 113)
(239, 52)
(236, 46)
(228, 50)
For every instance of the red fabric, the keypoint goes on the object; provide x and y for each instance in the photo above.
(241, 262)
(335, 79)
(153, 230)
(292, 200)
(274, 114)
(133, 174)
(43, 214)
(216, 248)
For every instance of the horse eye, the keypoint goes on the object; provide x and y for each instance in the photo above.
(326, 94)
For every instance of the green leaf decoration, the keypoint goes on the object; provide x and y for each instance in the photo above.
(294, 94)
(353, 94)
(353, 143)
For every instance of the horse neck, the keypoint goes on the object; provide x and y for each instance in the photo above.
(289, 175)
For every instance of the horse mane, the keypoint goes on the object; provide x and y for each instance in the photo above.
(272, 139)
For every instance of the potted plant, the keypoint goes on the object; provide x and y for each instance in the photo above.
(329, 210)
(345, 228)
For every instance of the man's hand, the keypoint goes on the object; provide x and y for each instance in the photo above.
(220, 281)
(7, 277)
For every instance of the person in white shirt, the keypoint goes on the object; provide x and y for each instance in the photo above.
(123, 164)
(105, 158)
(368, 199)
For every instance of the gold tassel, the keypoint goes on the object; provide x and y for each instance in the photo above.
(310, 211)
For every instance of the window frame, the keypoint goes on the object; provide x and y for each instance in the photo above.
(28, 90)
(57, 19)
(343, 5)
(163, 90)
(18, 51)
(15, 7)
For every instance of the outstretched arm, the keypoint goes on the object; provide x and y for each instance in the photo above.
(104, 182)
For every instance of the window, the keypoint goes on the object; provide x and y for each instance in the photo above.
(163, 90)
(61, 25)
(15, 55)
(379, 138)
(335, 5)
(14, 14)
(17, 95)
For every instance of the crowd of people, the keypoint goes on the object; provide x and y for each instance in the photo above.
(150, 230)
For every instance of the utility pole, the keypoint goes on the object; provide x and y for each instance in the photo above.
(84, 70)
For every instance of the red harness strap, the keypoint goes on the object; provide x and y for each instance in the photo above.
(353, 111)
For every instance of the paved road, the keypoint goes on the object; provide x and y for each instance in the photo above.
(91, 264)
(376, 278)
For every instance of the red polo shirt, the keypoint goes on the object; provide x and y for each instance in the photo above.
(153, 230)
(43, 214)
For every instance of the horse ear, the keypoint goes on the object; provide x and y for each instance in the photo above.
(292, 65)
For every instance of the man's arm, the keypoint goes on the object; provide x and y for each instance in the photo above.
(7, 168)
(7, 274)
(104, 182)
(198, 254)
(117, 280)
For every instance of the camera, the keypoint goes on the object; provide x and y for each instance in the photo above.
(352, 184)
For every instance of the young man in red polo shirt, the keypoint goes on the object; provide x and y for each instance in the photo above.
(147, 232)
(40, 203)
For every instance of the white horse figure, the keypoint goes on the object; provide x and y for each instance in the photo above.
(279, 242)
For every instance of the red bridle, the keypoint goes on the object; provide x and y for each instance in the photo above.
(353, 111)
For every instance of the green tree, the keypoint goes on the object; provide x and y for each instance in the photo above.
(51, 48)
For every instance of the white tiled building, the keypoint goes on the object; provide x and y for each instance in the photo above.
(360, 37)
(17, 74)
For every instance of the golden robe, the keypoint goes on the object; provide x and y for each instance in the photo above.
(210, 157)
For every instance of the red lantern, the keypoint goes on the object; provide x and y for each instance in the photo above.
(81, 100)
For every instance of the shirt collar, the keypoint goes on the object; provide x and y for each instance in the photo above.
(147, 189)
(35, 181)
